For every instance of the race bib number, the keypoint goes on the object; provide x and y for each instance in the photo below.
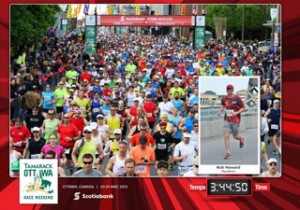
(96, 110)
(229, 112)
(36, 156)
(67, 151)
(82, 108)
(149, 115)
(263, 111)
(183, 170)
(161, 146)
(274, 127)
(141, 169)
(105, 112)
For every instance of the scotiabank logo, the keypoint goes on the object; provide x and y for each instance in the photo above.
(76, 196)
(122, 18)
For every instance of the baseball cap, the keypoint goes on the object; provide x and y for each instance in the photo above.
(161, 124)
(117, 131)
(162, 164)
(272, 160)
(135, 99)
(143, 140)
(276, 101)
(88, 128)
(35, 129)
(165, 96)
(73, 77)
(186, 135)
(100, 116)
(93, 125)
(229, 87)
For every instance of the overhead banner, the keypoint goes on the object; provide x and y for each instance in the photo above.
(134, 20)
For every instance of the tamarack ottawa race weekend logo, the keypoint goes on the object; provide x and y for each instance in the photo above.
(38, 181)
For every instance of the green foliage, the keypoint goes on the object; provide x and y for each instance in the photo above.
(255, 16)
(30, 21)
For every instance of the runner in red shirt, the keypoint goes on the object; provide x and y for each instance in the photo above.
(20, 135)
(78, 121)
(151, 109)
(68, 135)
(106, 91)
(86, 76)
(233, 106)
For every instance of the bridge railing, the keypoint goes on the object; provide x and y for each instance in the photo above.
(212, 124)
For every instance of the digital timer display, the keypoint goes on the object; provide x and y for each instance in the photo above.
(229, 187)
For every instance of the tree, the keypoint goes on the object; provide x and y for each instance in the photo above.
(254, 18)
(29, 22)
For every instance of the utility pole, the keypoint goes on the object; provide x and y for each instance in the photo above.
(243, 24)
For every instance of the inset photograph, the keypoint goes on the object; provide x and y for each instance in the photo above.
(230, 122)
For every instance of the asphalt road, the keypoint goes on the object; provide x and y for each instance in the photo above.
(212, 150)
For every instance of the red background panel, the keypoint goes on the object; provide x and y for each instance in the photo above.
(173, 193)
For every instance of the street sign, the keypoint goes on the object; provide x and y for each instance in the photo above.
(200, 21)
(90, 20)
(278, 29)
(274, 13)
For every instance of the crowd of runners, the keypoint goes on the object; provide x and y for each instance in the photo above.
(131, 104)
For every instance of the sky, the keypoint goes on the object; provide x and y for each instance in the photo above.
(218, 84)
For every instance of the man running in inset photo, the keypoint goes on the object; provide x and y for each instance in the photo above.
(233, 106)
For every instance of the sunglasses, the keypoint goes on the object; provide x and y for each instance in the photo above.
(162, 127)
(60, 84)
(87, 132)
(129, 167)
(197, 166)
(50, 113)
(35, 132)
(52, 138)
(273, 164)
(143, 129)
(66, 118)
(196, 125)
(87, 163)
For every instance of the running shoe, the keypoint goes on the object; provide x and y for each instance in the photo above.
(227, 156)
(242, 142)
